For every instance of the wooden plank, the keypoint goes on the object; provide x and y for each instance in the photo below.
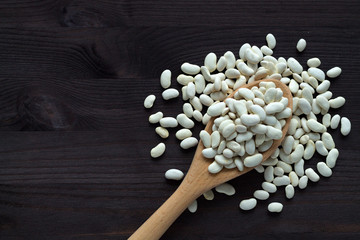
(114, 13)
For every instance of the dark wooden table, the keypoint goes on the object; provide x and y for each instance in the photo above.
(75, 140)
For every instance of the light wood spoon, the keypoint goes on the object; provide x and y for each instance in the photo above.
(198, 180)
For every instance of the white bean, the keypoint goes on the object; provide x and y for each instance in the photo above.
(210, 61)
(190, 90)
(345, 126)
(239, 164)
(265, 146)
(273, 133)
(275, 207)
(245, 69)
(269, 174)
(228, 130)
(303, 182)
(205, 138)
(248, 204)
(309, 150)
(281, 181)
(250, 147)
(333, 72)
(217, 83)
(199, 83)
(155, 118)
(206, 74)
(188, 110)
(287, 144)
(149, 101)
(225, 188)
(158, 150)
(230, 59)
(289, 191)
(270, 95)
(274, 107)
(314, 136)
(245, 93)
(293, 86)
(214, 167)
(190, 69)
(323, 102)
(335, 120)
(206, 100)
(165, 78)
(209, 152)
(183, 133)
(168, 122)
(294, 178)
(250, 119)
(332, 157)
(285, 166)
(323, 169)
(184, 79)
(216, 109)
(222, 63)
(206, 118)
(266, 50)
(314, 62)
(240, 107)
(278, 171)
(188, 143)
(195, 102)
(252, 56)
(323, 87)
(232, 73)
(269, 187)
(258, 129)
(184, 121)
(328, 141)
(163, 132)
(174, 174)
(316, 126)
(304, 105)
(254, 160)
(294, 65)
(184, 94)
(209, 195)
(280, 69)
(317, 73)
(228, 153)
(337, 102)
(301, 45)
(261, 194)
(312, 175)
(297, 154)
(271, 41)
(215, 139)
(326, 119)
(170, 93)
(320, 148)
(193, 206)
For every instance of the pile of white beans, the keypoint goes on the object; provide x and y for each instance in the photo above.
(245, 127)
(208, 85)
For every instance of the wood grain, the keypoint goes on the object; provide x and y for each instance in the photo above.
(75, 141)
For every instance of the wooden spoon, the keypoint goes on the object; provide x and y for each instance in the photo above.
(199, 180)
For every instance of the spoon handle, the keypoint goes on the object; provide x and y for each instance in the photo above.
(161, 220)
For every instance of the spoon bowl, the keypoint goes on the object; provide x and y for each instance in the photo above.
(198, 179)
